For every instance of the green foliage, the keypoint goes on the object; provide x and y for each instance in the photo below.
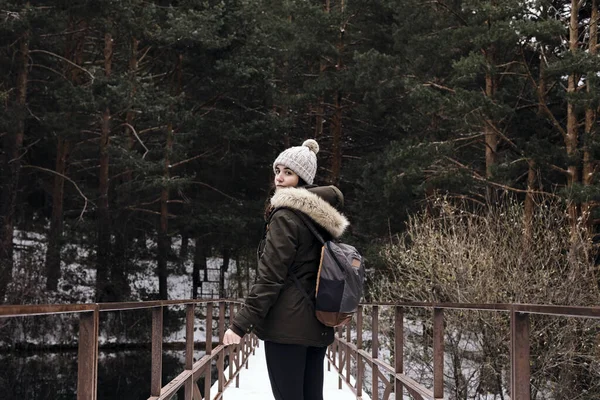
(237, 81)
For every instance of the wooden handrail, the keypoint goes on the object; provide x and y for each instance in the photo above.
(50, 309)
(340, 354)
(343, 351)
(89, 315)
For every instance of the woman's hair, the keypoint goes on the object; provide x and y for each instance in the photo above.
(301, 183)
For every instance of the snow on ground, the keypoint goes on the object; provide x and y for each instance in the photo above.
(76, 285)
(78, 273)
(254, 382)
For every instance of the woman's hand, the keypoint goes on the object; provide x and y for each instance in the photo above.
(230, 337)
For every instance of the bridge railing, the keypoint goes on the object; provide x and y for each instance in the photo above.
(344, 354)
(349, 358)
(87, 357)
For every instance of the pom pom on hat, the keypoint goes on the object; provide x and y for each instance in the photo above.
(300, 159)
(312, 145)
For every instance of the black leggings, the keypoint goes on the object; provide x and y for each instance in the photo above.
(295, 372)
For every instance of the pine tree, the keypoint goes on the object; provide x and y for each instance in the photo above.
(14, 91)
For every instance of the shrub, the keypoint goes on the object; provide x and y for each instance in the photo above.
(454, 252)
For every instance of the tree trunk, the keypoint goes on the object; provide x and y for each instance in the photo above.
(590, 119)
(247, 276)
(336, 122)
(572, 135)
(529, 206)
(133, 66)
(336, 146)
(199, 264)
(55, 237)
(183, 250)
(224, 268)
(124, 232)
(240, 277)
(164, 244)
(491, 138)
(319, 109)
(73, 51)
(10, 167)
(76, 53)
(104, 228)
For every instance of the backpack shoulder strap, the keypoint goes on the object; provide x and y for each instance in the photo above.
(314, 231)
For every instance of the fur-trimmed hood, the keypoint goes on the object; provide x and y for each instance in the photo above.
(318, 208)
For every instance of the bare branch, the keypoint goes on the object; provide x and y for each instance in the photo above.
(52, 70)
(148, 211)
(216, 190)
(559, 169)
(148, 202)
(67, 178)
(190, 159)
(144, 55)
(62, 33)
(64, 59)
(501, 134)
(478, 177)
(438, 86)
(458, 16)
(25, 152)
(137, 137)
(542, 103)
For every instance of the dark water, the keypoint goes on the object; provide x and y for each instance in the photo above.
(122, 375)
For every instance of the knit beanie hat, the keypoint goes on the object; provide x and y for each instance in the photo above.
(300, 159)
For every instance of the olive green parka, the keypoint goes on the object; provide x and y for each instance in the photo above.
(276, 310)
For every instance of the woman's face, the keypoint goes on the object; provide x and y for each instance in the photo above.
(285, 177)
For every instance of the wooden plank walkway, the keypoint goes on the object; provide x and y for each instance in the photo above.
(254, 382)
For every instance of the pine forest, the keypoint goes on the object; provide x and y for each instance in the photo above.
(137, 138)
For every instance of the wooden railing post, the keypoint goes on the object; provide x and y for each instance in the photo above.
(221, 359)
(399, 351)
(332, 353)
(329, 357)
(234, 355)
(247, 343)
(87, 357)
(157, 339)
(221, 371)
(438, 353)
(221, 319)
(375, 350)
(519, 354)
(209, 335)
(348, 354)
(231, 349)
(359, 360)
(189, 350)
(340, 357)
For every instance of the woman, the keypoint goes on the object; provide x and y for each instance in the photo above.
(289, 255)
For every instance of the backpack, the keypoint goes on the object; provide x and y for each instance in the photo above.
(340, 279)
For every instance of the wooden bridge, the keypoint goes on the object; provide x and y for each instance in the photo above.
(346, 355)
